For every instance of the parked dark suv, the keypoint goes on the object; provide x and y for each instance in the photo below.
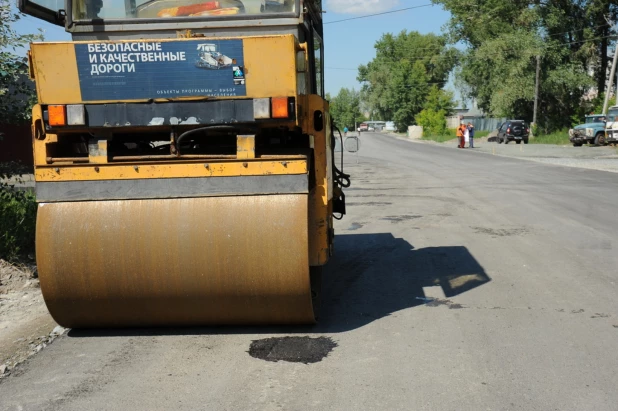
(513, 130)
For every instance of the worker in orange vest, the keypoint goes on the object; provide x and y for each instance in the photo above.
(460, 135)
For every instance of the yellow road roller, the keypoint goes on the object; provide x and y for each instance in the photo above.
(184, 162)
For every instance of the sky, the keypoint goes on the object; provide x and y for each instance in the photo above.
(347, 44)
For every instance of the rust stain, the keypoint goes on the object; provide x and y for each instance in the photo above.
(216, 260)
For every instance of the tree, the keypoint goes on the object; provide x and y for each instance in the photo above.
(439, 99)
(397, 80)
(345, 108)
(16, 94)
(406, 92)
(503, 38)
(438, 105)
(17, 207)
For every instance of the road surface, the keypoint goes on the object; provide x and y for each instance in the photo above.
(461, 281)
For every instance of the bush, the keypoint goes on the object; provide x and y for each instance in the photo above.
(432, 121)
(17, 214)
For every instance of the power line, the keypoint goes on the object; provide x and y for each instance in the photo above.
(379, 14)
(438, 46)
(340, 68)
(583, 41)
(582, 29)
(551, 46)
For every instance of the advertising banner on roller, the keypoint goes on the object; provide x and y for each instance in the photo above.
(165, 69)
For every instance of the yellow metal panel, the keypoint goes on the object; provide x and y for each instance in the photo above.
(245, 147)
(270, 69)
(38, 145)
(55, 72)
(320, 207)
(169, 170)
(270, 66)
(98, 153)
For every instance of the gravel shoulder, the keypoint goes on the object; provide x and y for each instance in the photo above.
(594, 158)
(26, 327)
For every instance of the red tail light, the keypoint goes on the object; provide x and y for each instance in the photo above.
(508, 130)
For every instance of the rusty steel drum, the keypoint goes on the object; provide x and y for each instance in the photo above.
(176, 262)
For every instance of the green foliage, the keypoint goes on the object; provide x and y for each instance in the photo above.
(16, 94)
(595, 106)
(560, 137)
(345, 108)
(406, 92)
(397, 81)
(438, 99)
(17, 207)
(504, 38)
(438, 105)
(432, 121)
(17, 214)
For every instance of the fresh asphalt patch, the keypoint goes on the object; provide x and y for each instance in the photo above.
(292, 349)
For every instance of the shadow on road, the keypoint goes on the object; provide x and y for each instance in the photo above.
(371, 276)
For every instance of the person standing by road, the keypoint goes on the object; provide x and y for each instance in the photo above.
(460, 135)
(471, 135)
(345, 131)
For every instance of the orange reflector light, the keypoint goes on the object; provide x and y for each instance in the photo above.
(57, 115)
(280, 107)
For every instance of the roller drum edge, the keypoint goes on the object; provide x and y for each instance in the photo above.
(176, 262)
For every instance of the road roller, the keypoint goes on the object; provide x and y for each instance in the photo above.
(185, 162)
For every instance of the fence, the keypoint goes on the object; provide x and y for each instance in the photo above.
(480, 123)
(16, 143)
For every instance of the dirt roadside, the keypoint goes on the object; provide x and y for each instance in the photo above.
(26, 327)
(592, 158)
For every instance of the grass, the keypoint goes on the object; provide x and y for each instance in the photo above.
(559, 138)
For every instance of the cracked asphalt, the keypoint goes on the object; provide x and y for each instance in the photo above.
(460, 281)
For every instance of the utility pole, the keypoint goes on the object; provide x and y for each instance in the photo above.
(611, 78)
(611, 75)
(536, 90)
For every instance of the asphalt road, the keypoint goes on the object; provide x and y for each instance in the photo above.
(461, 281)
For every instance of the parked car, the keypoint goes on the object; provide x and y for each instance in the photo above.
(363, 127)
(513, 130)
(591, 132)
(390, 126)
(611, 126)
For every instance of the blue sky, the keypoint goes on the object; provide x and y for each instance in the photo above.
(347, 44)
